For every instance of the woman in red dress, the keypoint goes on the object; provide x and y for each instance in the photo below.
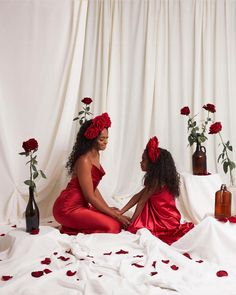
(80, 208)
(156, 209)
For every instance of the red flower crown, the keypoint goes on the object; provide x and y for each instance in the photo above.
(98, 124)
(152, 149)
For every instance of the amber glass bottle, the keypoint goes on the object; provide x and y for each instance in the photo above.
(199, 160)
(222, 202)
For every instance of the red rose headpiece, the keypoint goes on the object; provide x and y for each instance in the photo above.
(98, 124)
(152, 149)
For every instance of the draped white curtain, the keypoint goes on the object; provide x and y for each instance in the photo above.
(140, 60)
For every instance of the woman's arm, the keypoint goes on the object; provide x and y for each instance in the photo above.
(132, 202)
(83, 170)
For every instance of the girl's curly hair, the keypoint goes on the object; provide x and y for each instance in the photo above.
(82, 146)
(162, 172)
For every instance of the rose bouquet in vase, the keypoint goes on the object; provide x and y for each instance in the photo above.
(32, 212)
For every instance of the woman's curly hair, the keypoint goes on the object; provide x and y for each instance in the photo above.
(162, 172)
(82, 146)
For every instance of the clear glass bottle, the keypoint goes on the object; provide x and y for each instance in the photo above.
(223, 203)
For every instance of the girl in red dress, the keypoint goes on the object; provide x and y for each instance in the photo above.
(156, 209)
(80, 206)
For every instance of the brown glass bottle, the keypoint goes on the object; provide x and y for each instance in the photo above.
(199, 160)
(222, 203)
(32, 212)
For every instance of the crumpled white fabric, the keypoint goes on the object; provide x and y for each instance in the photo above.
(101, 270)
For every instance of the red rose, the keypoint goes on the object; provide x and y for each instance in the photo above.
(30, 145)
(92, 132)
(215, 128)
(102, 121)
(185, 111)
(107, 120)
(153, 149)
(87, 100)
(210, 108)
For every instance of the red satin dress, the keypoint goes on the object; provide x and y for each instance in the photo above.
(161, 217)
(76, 215)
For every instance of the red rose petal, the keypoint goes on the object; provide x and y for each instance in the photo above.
(232, 219)
(55, 253)
(165, 261)
(187, 255)
(154, 264)
(139, 256)
(100, 276)
(109, 253)
(137, 265)
(63, 258)
(2, 235)
(46, 270)
(223, 219)
(199, 261)
(50, 221)
(69, 251)
(47, 261)
(153, 273)
(174, 267)
(222, 273)
(6, 278)
(89, 256)
(69, 273)
(13, 225)
(37, 274)
(122, 252)
(34, 231)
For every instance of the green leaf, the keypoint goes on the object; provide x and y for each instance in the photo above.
(29, 183)
(35, 174)
(225, 167)
(81, 112)
(42, 174)
(24, 153)
(76, 118)
(34, 168)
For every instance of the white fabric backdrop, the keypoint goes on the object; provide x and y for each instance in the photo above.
(140, 60)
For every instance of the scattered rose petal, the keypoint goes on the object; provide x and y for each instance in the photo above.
(137, 265)
(122, 252)
(109, 253)
(153, 273)
(6, 278)
(37, 274)
(34, 231)
(187, 255)
(154, 264)
(139, 256)
(199, 261)
(93, 262)
(2, 235)
(69, 251)
(13, 225)
(232, 219)
(55, 253)
(223, 219)
(222, 273)
(174, 267)
(81, 259)
(47, 261)
(63, 258)
(50, 221)
(70, 273)
(90, 256)
(165, 261)
(100, 276)
(46, 270)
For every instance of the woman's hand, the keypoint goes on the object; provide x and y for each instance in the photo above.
(124, 220)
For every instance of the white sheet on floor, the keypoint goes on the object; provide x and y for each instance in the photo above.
(119, 263)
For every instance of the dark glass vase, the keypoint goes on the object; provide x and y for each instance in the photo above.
(199, 160)
(223, 202)
(32, 212)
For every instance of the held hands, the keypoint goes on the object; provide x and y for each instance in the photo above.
(124, 220)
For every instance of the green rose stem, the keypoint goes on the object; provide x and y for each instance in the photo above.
(227, 162)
